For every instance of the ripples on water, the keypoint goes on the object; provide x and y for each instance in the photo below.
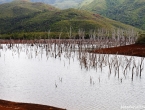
(67, 76)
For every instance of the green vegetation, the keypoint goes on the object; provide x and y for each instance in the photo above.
(63, 4)
(42, 35)
(141, 39)
(17, 18)
(127, 11)
(34, 35)
(130, 12)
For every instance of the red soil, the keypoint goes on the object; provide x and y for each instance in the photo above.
(7, 105)
(131, 50)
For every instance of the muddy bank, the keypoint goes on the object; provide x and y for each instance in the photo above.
(7, 105)
(130, 50)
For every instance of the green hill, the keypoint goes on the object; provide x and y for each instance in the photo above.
(100, 5)
(24, 16)
(20, 7)
(127, 11)
(63, 4)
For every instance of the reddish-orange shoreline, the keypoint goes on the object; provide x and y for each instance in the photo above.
(131, 50)
(7, 105)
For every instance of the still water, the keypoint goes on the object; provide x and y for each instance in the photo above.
(35, 74)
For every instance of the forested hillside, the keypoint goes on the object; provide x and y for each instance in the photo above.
(127, 11)
(25, 16)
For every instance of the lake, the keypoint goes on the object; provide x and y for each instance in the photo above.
(70, 78)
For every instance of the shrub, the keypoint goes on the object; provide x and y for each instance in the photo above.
(141, 39)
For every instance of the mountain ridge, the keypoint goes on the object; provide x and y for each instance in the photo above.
(63, 4)
(130, 12)
(38, 17)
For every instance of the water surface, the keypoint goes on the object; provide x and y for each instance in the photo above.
(34, 74)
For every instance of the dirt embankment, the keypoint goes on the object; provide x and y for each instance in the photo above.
(131, 50)
(7, 105)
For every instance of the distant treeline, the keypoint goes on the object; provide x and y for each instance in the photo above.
(42, 35)
(78, 35)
